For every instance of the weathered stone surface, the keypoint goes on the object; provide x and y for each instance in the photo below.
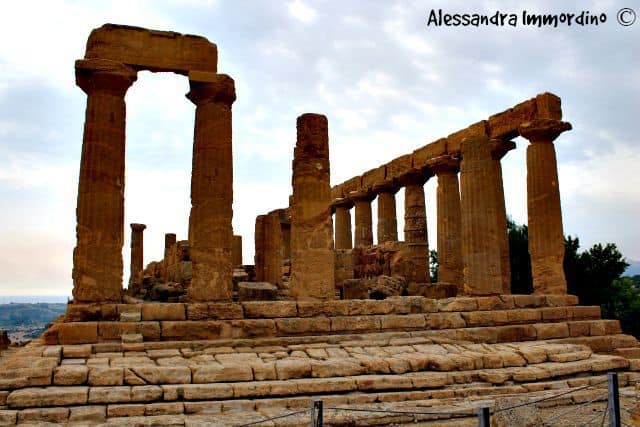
(163, 374)
(191, 330)
(152, 50)
(95, 414)
(546, 238)
(312, 259)
(78, 332)
(222, 372)
(257, 291)
(210, 231)
(50, 396)
(70, 375)
(43, 415)
(103, 376)
(379, 287)
(137, 254)
(343, 236)
(160, 311)
(97, 257)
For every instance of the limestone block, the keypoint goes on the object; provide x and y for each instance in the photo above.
(76, 351)
(250, 328)
(130, 317)
(382, 382)
(206, 391)
(90, 312)
(8, 418)
(458, 304)
(293, 368)
(153, 50)
(524, 315)
(202, 408)
(257, 291)
(369, 306)
(325, 308)
(150, 330)
(50, 396)
(78, 332)
(103, 376)
(546, 331)
(163, 374)
(264, 370)
(444, 321)
(70, 375)
(93, 413)
(226, 372)
(355, 323)
(119, 410)
(43, 415)
(428, 152)
(332, 385)
(505, 125)
(159, 311)
(584, 312)
(225, 311)
(165, 408)
(294, 326)
(336, 368)
(373, 177)
(398, 167)
(120, 394)
(146, 393)
(191, 330)
(402, 321)
(259, 309)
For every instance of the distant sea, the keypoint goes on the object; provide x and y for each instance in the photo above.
(32, 299)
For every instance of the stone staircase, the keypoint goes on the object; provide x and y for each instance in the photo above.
(256, 360)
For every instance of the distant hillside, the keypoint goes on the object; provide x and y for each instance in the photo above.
(27, 321)
(633, 269)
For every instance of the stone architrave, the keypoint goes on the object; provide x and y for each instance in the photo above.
(546, 238)
(480, 242)
(343, 235)
(169, 240)
(387, 220)
(415, 224)
(97, 257)
(210, 230)
(312, 258)
(237, 251)
(500, 148)
(450, 263)
(137, 252)
(364, 228)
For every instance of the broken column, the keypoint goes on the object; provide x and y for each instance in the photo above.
(343, 237)
(500, 148)
(387, 220)
(415, 224)
(137, 253)
(97, 257)
(169, 241)
(546, 238)
(210, 231)
(273, 250)
(312, 258)
(364, 229)
(480, 243)
(259, 255)
(449, 221)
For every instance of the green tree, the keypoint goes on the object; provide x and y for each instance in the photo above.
(521, 282)
(433, 268)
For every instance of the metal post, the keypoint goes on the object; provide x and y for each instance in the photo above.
(484, 417)
(614, 400)
(316, 413)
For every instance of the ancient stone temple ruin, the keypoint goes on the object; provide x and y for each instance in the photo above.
(324, 313)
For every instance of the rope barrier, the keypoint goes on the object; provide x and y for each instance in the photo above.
(389, 411)
(571, 410)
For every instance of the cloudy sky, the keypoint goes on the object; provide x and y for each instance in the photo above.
(387, 82)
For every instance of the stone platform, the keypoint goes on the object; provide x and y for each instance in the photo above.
(229, 364)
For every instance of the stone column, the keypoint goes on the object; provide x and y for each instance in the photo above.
(449, 221)
(343, 236)
(312, 259)
(97, 257)
(387, 221)
(546, 238)
(500, 148)
(210, 231)
(273, 248)
(169, 241)
(137, 252)
(259, 254)
(364, 229)
(237, 251)
(415, 224)
(480, 242)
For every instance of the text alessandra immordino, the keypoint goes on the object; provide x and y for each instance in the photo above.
(439, 18)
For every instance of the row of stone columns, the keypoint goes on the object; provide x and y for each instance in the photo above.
(473, 245)
(97, 258)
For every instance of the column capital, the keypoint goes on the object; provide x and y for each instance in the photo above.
(500, 147)
(361, 196)
(444, 165)
(138, 227)
(211, 87)
(103, 75)
(543, 130)
(415, 177)
(386, 187)
(342, 202)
